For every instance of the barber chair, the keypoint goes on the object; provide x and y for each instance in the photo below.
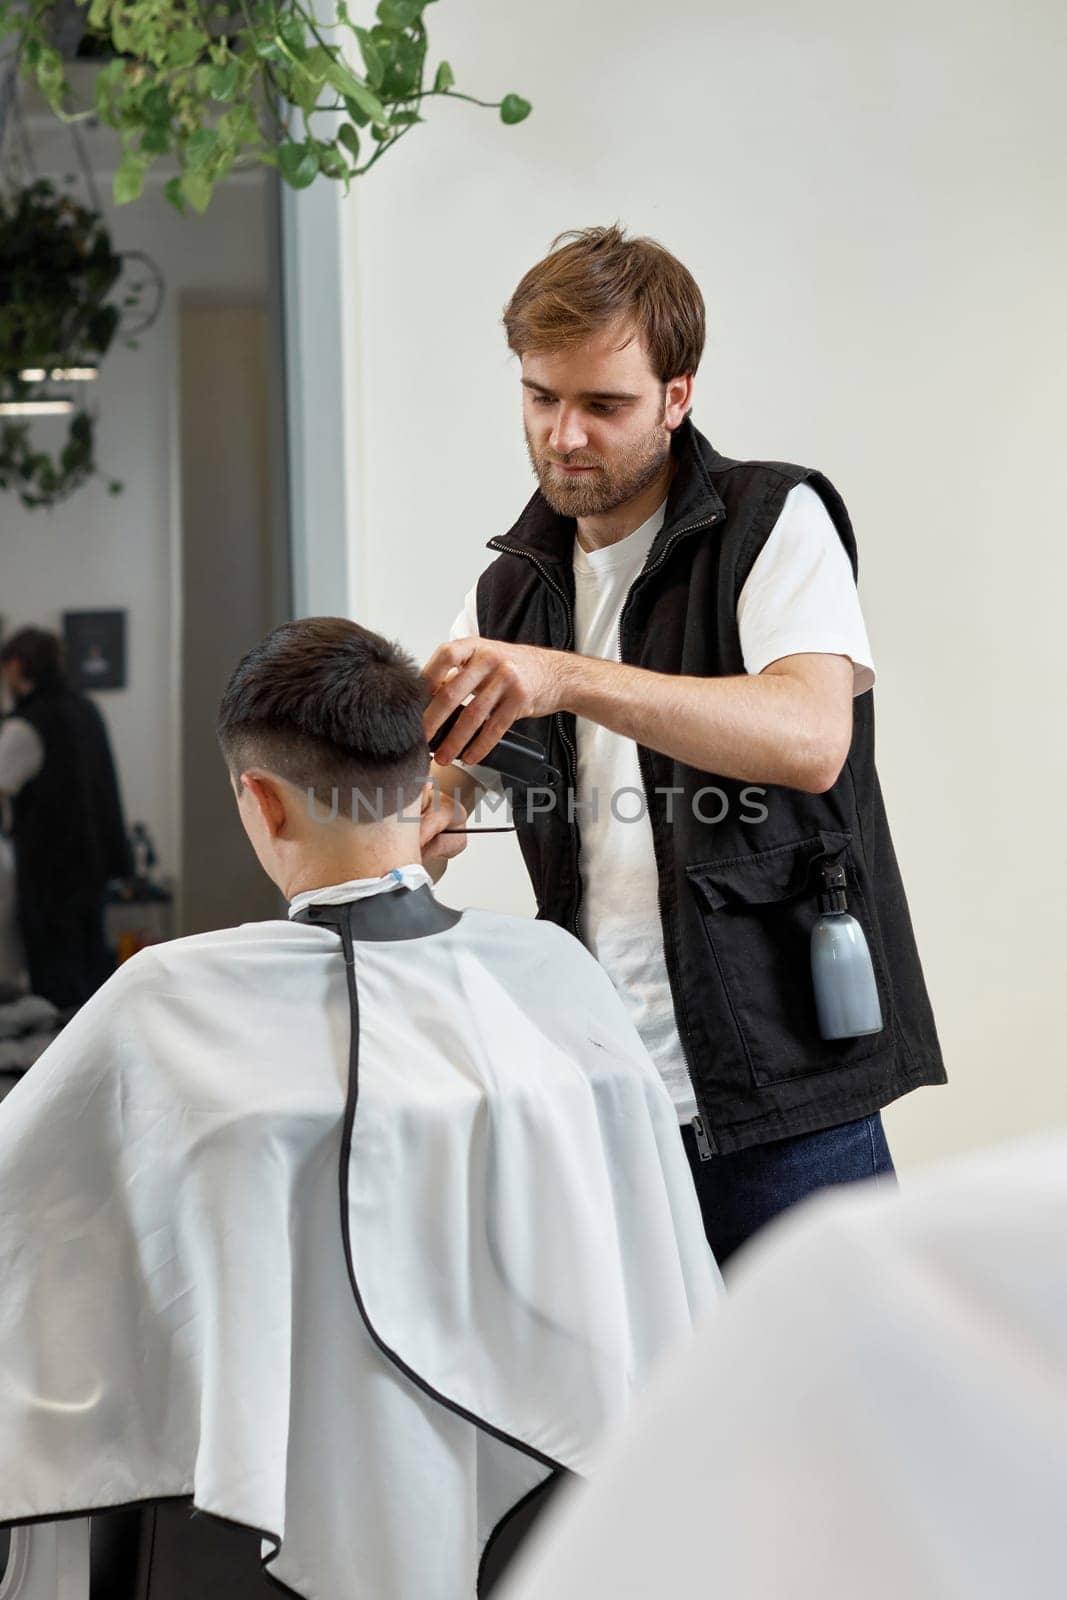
(45, 1561)
(166, 1552)
(171, 1552)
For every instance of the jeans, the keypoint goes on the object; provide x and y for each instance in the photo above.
(741, 1191)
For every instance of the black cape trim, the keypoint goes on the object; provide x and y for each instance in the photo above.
(387, 916)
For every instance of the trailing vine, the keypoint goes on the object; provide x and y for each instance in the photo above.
(62, 304)
(213, 85)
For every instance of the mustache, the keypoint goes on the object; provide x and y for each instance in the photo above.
(567, 461)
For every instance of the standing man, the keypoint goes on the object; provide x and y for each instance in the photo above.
(68, 830)
(682, 632)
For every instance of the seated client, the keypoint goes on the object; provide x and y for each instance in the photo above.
(357, 1229)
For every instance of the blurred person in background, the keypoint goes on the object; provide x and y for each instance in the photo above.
(58, 782)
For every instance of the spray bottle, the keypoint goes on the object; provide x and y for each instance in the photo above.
(846, 995)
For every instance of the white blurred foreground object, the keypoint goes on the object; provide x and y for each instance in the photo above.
(879, 1413)
(353, 1235)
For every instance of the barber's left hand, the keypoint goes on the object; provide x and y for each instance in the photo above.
(508, 681)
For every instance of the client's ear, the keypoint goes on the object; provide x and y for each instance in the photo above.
(264, 794)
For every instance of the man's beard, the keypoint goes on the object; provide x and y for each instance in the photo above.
(595, 493)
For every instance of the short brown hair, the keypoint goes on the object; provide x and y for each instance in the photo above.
(332, 708)
(590, 277)
(38, 653)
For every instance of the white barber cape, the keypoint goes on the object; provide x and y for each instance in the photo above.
(354, 1251)
(879, 1413)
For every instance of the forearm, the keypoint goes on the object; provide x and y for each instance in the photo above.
(766, 728)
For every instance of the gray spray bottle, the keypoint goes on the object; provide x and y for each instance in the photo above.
(846, 995)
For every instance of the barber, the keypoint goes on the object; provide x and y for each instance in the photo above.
(682, 632)
(69, 836)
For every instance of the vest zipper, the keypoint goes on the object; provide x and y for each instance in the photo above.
(705, 1145)
(572, 754)
(705, 1139)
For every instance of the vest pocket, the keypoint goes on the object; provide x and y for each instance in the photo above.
(758, 911)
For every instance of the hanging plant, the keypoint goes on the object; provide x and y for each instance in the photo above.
(59, 277)
(216, 84)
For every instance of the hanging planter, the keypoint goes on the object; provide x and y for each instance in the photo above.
(59, 316)
(217, 84)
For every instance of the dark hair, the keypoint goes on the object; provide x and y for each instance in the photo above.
(332, 708)
(38, 653)
(592, 276)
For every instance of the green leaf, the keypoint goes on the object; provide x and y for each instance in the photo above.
(224, 80)
(445, 78)
(344, 80)
(331, 161)
(303, 90)
(101, 328)
(50, 77)
(98, 12)
(106, 88)
(350, 139)
(155, 106)
(372, 58)
(196, 190)
(400, 13)
(237, 126)
(200, 147)
(293, 35)
(318, 61)
(404, 70)
(514, 108)
(298, 164)
(155, 141)
(183, 47)
(128, 182)
(356, 112)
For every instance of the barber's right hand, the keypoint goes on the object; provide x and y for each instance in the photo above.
(439, 811)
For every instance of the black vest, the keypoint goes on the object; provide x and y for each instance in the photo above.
(68, 831)
(737, 865)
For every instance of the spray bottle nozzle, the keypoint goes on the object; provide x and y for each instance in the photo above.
(834, 882)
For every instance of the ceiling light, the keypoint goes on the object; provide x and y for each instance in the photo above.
(35, 408)
(58, 374)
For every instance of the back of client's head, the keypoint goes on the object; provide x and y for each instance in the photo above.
(332, 709)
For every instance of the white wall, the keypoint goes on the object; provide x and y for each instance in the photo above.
(872, 200)
(95, 551)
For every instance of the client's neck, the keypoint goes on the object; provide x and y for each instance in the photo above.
(347, 852)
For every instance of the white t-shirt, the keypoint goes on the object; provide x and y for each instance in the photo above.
(799, 598)
(21, 754)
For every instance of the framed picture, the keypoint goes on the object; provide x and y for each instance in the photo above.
(95, 643)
